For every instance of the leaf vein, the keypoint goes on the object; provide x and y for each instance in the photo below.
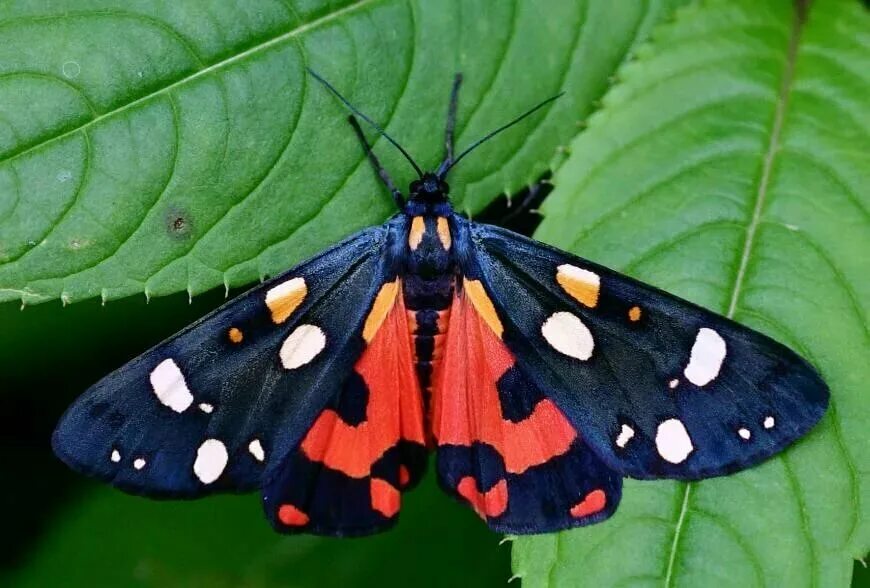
(542, 120)
(833, 176)
(233, 59)
(265, 176)
(802, 515)
(684, 168)
(354, 168)
(838, 275)
(658, 129)
(66, 209)
(761, 193)
(631, 266)
(54, 78)
(836, 426)
(739, 540)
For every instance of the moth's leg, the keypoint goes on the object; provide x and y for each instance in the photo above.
(385, 177)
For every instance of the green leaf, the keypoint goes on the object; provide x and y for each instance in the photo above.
(153, 147)
(732, 167)
(110, 539)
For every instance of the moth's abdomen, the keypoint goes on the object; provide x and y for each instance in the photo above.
(428, 327)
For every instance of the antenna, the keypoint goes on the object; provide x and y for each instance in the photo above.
(376, 126)
(447, 165)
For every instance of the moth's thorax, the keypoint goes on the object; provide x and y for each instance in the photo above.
(429, 246)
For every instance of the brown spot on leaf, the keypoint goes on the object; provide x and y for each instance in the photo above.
(178, 223)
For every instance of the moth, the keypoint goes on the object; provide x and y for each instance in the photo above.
(538, 379)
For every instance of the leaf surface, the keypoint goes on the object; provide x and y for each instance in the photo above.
(160, 147)
(731, 167)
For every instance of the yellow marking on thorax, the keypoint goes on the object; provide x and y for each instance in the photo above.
(444, 233)
(483, 305)
(286, 297)
(582, 285)
(415, 235)
(381, 307)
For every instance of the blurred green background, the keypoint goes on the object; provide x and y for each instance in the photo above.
(60, 529)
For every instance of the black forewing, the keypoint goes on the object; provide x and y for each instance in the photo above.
(632, 400)
(119, 431)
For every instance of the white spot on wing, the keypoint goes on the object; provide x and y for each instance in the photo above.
(673, 383)
(303, 345)
(673, 442)
(206, 407)
(139, 463)
(256, 449)
(579, 274)
(567, 334)
(706, 358)
(769, 422)
(169, 386)
(211, 459)
(116, 456)
(284, 289)
(624, 436)
(744, 433)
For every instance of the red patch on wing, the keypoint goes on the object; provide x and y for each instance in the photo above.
(386, 499)
(394, 411)
(594, 502)
(491, 503)
(466, 406)
(292, 516)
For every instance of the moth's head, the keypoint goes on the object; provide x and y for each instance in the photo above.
(429, 189)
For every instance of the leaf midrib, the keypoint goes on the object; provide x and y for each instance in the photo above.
(801, 8)
(258, 48)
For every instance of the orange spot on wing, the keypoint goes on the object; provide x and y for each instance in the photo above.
(394, 411)
(582, 285)
(523, 442)
(404, 476)
(415, 235)
(594, 502)
(235, 335)
(491, 503)
(285, 298)
(385, 497)
(292, 516)
(484, 306)
(382, 305)
(634, 314)
(466, 406)
(443, 229)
